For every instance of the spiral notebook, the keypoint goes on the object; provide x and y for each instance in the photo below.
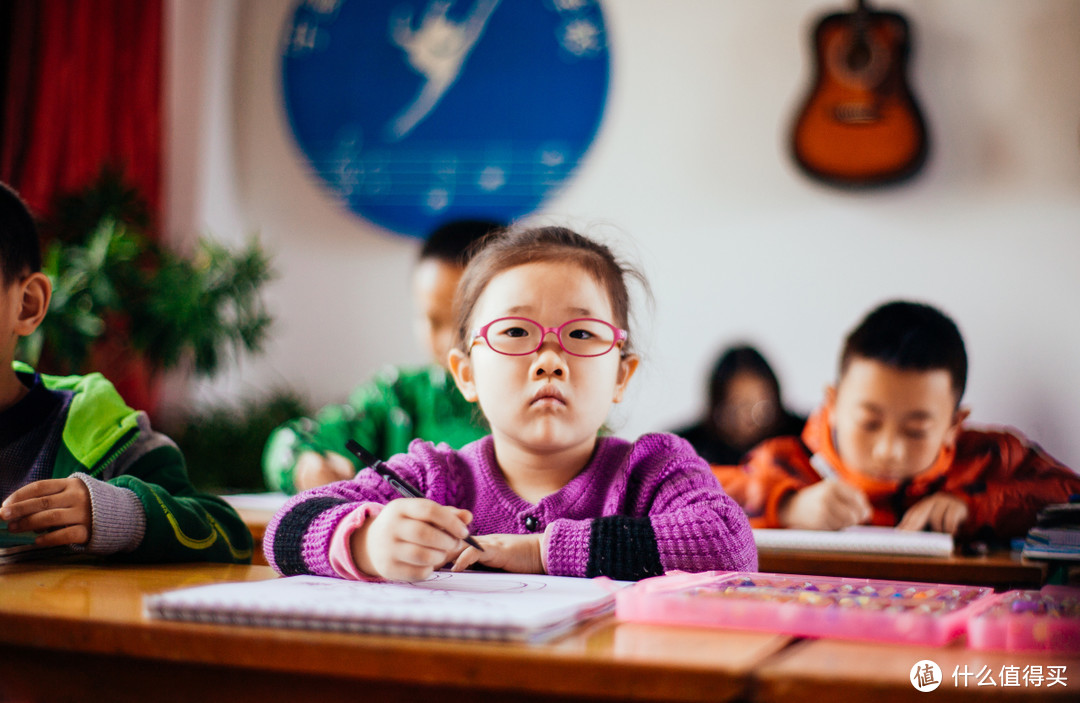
(864, 539)
(470, 605)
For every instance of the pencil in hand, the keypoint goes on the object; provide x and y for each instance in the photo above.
(390, 476)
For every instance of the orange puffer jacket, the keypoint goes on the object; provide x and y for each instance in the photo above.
(1003, 479)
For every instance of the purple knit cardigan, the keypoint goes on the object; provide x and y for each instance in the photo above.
(636, 510)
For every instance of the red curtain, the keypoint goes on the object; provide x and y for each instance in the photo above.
(83, 90)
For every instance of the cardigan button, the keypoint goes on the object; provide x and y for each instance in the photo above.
(531, 523)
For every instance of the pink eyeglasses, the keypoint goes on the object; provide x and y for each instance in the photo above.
(518, 336)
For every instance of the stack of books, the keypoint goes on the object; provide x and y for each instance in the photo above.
(1056, 535)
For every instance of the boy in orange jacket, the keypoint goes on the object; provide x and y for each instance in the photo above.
(889, 445)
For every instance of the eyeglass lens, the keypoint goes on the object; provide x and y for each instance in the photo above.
(518, 335)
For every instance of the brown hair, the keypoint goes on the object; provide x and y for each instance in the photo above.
(507, 249)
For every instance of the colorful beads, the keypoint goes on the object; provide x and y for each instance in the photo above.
(829, 592)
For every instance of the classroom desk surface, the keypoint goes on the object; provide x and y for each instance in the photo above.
(67, 629)
(838, 670)
(256, 510)
(256, 520)
(50, 612)
(1002, 570)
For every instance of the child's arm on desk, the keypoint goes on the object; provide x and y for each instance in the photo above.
(58, 509)
(180, 524)
(519, 554)
(296, 458)
(1005, 480)
(302, 453)
(940, 512)
(408, 539)
(315, 469)
(825, 505)
(779, 486)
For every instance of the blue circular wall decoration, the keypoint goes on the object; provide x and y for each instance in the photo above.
(416, 112)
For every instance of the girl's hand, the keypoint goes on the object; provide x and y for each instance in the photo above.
(313, 470)
(409, 539)
(57, 507)
(940, 512)
(516, 553)
(826, 505)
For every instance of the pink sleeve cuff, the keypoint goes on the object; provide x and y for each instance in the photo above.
(544, 548)
(341, 560)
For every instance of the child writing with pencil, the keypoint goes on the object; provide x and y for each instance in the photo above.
(77, 465)
(401, 403)
(890, 446)
(543, 346)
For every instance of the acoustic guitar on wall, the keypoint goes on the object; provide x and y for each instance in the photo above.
(860, 125)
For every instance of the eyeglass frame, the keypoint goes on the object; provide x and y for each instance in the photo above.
(481, 333)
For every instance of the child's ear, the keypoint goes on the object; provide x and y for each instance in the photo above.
(36, 293)
(953, 432)
(462, 371)
(830, 397)
(627, 366)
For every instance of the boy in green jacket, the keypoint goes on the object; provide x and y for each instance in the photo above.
(77, 465)
(401, 403)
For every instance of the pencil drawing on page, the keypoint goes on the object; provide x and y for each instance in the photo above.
(439, 586)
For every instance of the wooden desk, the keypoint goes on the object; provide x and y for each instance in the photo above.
(76, 631)
(256, 509)
(1002, 570)
(837, 670)
(256, 519)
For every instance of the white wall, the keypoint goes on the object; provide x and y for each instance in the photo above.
(691, 176)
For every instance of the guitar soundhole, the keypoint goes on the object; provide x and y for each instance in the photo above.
(859, 56)
(859, 63)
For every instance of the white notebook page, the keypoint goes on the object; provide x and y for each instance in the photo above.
(528, 607)
(859, 539)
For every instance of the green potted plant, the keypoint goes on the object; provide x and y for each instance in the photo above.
(241, 426)
(131, 308)
(115, 288)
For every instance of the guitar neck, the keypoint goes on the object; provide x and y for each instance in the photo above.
(860, 20)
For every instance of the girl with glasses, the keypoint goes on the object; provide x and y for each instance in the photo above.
(543, 348)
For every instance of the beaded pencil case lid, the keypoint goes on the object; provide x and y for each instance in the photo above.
(807, 606)
(1046, 621)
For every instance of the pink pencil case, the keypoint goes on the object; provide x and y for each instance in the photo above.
(1046, 621)
(807, 606)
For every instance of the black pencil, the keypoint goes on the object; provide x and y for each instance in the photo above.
(390, 476)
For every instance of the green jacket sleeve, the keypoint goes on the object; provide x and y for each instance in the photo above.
(385, 415)
(181, 523)
(374, 417)
(106, 440)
